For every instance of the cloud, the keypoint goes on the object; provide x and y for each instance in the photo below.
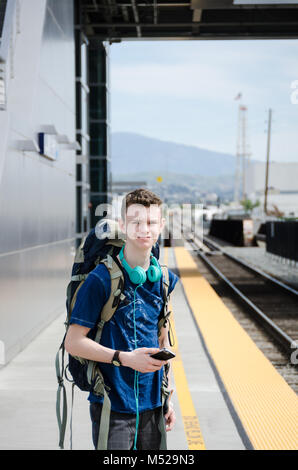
(214, 77)
(194, 81)
(184, 92)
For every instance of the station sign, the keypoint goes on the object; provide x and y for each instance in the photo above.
(48, 146)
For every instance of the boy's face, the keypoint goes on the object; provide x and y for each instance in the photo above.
(142, 224)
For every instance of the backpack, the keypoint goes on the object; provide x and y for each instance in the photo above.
(101, 245)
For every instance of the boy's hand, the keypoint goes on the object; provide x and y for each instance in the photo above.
(140, 360)
(170, 417)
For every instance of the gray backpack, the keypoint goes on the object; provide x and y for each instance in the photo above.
(85, 373)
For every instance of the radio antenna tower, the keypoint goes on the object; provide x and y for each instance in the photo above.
(241, 154)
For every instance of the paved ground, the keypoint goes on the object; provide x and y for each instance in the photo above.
(28, 398)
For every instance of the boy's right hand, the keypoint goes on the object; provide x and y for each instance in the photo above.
(140, 360)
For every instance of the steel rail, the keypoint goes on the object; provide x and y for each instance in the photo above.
(251, 268)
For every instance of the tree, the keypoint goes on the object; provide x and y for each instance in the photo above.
(248, 205)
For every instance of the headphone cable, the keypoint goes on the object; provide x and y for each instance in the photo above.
(136, 377)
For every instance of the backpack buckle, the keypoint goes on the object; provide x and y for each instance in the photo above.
(60, 381)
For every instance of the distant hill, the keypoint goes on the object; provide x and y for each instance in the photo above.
(202, 183)
(132, 152)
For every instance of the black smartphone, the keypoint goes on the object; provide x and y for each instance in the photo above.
(163, 355)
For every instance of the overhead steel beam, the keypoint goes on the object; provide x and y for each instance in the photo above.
(155, 12)
(142, 5)
(196, 19)
(204, 4)
(265, 2)
(211, 4)
(190, 24)
(136, 17)
(95, 4)
(125, 13)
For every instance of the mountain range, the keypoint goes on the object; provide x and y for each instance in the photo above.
(184, 169)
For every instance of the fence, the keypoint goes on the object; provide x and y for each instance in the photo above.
(229, 230)
(282, 239)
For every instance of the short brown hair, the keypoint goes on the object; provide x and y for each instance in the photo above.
(139, 196)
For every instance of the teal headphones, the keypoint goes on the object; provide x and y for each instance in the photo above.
(138, 275)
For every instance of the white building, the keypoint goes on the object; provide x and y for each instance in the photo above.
(282, 184)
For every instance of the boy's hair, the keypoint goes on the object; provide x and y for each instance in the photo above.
(139, 196)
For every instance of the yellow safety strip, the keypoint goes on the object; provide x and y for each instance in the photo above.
(264, 402)
(191, 423)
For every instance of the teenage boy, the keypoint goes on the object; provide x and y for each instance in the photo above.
(130, 337)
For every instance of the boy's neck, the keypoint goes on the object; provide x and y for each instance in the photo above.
(135, 257)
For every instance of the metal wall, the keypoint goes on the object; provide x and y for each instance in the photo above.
(37, 195)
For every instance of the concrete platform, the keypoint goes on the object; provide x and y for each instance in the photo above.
(261, 402)
(28, 388)
(216, 423)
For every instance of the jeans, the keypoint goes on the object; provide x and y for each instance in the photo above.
(123, 427)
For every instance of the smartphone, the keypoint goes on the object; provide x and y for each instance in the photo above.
(163, 355)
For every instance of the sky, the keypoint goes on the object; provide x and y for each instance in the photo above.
(184, 92)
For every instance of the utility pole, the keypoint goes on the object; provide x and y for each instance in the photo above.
(267, 161)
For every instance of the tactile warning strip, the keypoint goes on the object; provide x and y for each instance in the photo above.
(190, 419)
(264, 402)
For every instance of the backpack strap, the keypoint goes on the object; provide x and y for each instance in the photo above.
(95, 377)
(93, 372)
(79, 256)
(78, 277)
(117, 287)
(61, 390)
(73, 301)
(165, 392)
(164, 317)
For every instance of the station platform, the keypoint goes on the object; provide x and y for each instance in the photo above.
(262, 405)
(227, 394)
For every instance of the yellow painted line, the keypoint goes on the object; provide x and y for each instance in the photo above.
(264, 402)
(191, 423)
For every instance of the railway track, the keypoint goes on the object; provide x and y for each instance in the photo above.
(265, 307)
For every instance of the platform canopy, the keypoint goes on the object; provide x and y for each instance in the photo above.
(116, 20)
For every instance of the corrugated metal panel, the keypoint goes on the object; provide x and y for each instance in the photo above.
(37, 196)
